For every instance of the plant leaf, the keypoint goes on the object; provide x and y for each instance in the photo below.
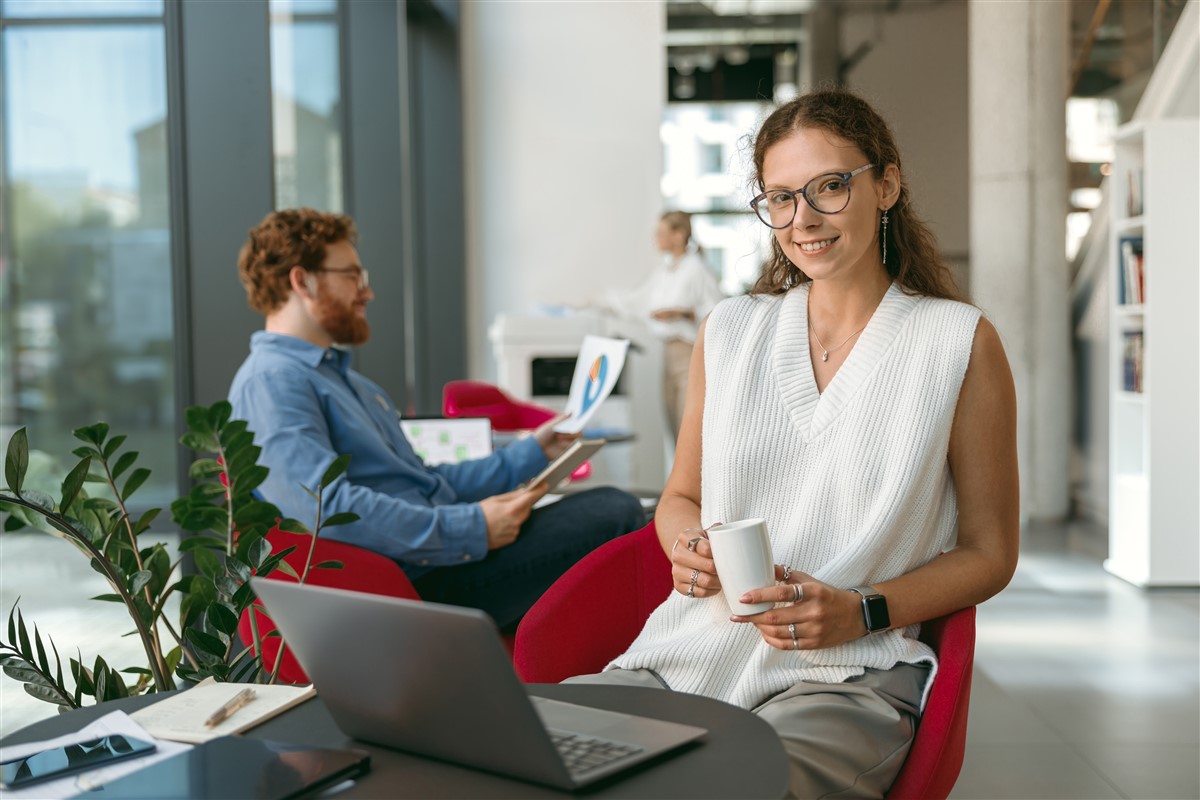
(109, 598)
(46, 693)
(207, 562)
(205, 468)
(290, 525)
(136, 479)
(286, 569)
(197, 419)
(124, 462)
(200, 442)
(93, 434)
(73, 483)
(16, 460)
(343, 518)
(221, 617)
(139, 580)
(145, 519)
(200, 540)
(205, 641)
(112, 445)
(329, 565)
(335, 469)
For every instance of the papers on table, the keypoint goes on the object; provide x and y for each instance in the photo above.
(596, 371)
(181, 716)
(117, 722)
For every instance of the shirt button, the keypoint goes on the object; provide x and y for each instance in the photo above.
(466, 556)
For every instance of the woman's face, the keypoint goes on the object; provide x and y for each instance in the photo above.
(668, 239)
(840, 245)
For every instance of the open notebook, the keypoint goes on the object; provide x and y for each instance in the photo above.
(181, 716)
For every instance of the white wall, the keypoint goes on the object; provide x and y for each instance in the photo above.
(915, 75)
(562, 109)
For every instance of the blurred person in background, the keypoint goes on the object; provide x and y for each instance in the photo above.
(675, 298)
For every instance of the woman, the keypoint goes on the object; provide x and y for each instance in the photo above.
(861, 407)
(675, 298)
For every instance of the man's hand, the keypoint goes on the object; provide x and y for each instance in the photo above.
(552, 443)
(505, 513)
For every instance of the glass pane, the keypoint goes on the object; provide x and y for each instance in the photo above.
(86, 289)
(306, 107)
(707, 170)
(35, 9)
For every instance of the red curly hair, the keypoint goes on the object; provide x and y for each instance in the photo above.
(295, 237)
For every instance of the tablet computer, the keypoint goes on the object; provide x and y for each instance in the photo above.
(567, 462)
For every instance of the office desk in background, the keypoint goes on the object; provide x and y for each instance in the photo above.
(740, 757)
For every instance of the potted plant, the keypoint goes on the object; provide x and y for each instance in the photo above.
(228, 523)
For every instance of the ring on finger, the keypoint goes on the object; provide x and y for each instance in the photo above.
(691, 592)
(691, 545)
(787, 572)
(799, 592)
(792, 631)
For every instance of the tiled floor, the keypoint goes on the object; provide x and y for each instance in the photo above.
(1084, 687)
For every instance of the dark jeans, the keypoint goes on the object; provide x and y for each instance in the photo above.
(509, 580)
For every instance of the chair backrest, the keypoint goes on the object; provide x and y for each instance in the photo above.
(615, 588)
(480, 399)
(362, 571)
(936, 755)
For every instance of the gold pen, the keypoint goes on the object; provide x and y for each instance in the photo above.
(224, 712)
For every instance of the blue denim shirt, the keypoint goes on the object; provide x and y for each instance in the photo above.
(306, 407)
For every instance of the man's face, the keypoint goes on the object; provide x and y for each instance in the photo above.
(340, 306)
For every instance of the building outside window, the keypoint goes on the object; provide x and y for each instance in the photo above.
(85, 258)
(306, 107)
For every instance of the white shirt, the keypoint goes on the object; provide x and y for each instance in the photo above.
(686, 283)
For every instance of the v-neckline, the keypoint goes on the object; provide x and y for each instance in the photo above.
(810, 409)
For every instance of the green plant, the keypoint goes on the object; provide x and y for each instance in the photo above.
(228, 544)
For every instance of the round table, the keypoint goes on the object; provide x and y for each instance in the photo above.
(741, 756)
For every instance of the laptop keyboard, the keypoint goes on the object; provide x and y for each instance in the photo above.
(583, 753)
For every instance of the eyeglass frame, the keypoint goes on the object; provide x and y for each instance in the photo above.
(364, 277)
(845, 176)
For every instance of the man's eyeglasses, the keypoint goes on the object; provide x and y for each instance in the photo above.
(828, 194)
(358, 273)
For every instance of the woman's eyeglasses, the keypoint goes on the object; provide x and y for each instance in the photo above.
(827, 194)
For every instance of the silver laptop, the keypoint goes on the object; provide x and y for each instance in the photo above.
(436, 680)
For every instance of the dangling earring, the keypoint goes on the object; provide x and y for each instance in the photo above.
(883, 236)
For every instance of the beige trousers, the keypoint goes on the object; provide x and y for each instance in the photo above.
(843, 740)
(677, 357)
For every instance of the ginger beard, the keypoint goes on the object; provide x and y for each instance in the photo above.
(341, 319)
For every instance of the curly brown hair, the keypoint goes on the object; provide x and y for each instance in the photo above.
(914, 259)
(285, 239)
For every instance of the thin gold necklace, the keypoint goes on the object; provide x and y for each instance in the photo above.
(825, 351)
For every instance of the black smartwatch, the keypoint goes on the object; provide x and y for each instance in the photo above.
(875, 610)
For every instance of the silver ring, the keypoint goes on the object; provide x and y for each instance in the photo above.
(693, 542)
(792, 631)
(799, 592)
(691, 592)
(787, 572)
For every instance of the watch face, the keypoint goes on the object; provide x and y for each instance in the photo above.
(877, 612)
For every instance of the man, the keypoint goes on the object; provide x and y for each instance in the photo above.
(464, 533)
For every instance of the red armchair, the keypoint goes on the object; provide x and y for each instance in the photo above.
(479, 399)
(620, 583)
(362, 571)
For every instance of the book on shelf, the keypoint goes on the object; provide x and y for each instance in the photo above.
(1131, 287)
(1133, 192)
(1131, 362)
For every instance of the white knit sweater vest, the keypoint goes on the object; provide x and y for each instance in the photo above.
(854, 482)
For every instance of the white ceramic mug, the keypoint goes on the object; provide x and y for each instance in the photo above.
(742, 552)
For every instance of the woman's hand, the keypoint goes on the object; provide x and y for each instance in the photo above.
(692, 568)
(816, 615)
(670, 314)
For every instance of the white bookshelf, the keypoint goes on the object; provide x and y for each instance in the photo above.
(1154, 410)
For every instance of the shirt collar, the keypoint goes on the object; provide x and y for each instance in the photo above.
(306, 352)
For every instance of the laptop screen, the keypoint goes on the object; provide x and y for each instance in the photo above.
(441, 440)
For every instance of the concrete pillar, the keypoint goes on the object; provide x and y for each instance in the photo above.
(1018, 79)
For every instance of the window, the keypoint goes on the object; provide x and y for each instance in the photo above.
(85, 264)
(306, 104)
